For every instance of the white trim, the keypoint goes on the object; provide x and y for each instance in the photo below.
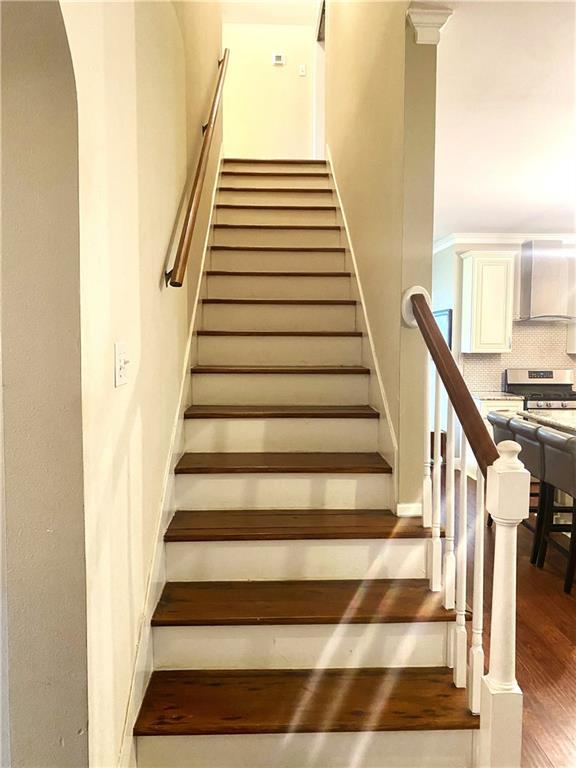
(372, 346)
(407, 312)
(412, 509)
(457, 239)
(143, 662)
(427, 23)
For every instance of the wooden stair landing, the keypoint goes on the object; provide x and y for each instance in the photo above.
(291, 524)
(301, 463)
(193, 703)
(235, 603)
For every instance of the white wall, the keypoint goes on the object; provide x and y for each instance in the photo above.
(268, 110)
(131, 67)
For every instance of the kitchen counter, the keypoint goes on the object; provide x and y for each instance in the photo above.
(565, 421)
(496, 396)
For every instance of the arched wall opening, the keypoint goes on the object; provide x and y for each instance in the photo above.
(44, 670)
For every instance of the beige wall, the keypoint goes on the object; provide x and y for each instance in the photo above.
(137, 87)
(380, 133)
(42, 408)
(268, 110)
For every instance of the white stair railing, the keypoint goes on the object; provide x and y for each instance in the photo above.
(502, 490)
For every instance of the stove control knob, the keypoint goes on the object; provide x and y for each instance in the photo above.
(564, 404)
(540, 404)
(548, 405)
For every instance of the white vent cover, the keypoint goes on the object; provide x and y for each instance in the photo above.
(278, 59)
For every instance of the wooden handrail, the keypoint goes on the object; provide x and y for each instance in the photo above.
(175, 276)
(474, 428)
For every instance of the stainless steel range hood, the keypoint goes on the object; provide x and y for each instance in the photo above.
(548, 281)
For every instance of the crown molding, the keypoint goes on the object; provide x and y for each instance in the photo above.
(427, 21)
(495, 239)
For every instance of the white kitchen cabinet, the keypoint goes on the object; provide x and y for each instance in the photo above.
(571, 347)
(487, 301)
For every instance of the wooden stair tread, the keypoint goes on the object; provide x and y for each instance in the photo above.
(253, 206)
(189, 702)
(299, 190)
(294, 302)
(285, 370)
(291, 524)
(331, 334)
(279, 249)
(271, 161)
(274, 273)
(281, 412)
(327, 601)
(324, 227)
(272, 174)
(301, 463)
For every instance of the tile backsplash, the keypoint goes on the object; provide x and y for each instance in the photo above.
(534, 345)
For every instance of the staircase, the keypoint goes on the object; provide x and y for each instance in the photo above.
(297, 628)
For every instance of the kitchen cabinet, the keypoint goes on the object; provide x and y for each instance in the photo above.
(571, 347)
(487, 301)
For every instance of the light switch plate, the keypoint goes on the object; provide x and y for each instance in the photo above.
(121, 363)
(302, 70)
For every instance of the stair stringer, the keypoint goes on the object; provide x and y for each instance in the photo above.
(387, 439)
(143, 665)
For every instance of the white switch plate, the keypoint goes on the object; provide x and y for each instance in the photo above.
(121, 363)
(302, 70)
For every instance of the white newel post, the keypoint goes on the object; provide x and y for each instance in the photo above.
(507, 500)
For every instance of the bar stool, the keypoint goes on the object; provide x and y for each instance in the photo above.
(500, 426)
(532, 456)
(559, 472)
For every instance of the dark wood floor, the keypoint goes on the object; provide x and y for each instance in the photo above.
(546, 644)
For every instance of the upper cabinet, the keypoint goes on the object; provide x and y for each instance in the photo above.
(487, 301)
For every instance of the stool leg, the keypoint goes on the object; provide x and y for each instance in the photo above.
(571, 567)
(548, 521)
(540, 516)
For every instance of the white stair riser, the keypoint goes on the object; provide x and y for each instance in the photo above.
(279, 389)
(312, 238)
(281, 287)
(272, 180)
(275, 166)
(277, 261)
(393, 749)
(319, 646)
(281, 197)
(301, 559)
(279, 317)
(275, 216)
(262, 435)
(283, 491)
(279, 350)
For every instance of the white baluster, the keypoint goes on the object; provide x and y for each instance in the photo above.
(476, 661)
(508, 498)
(449, 556)
(460, 633)
(427, 483)
(436, 543)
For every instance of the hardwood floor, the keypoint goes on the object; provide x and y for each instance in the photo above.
(546, 643)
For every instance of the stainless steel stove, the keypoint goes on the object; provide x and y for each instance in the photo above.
(543, 389)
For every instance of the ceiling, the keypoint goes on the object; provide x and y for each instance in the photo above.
(506, 119)
(300, 12)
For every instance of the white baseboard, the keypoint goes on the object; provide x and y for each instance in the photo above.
(143, 663)
(413, 509)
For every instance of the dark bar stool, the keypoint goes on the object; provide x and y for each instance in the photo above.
(559, 472)
(532, 456)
